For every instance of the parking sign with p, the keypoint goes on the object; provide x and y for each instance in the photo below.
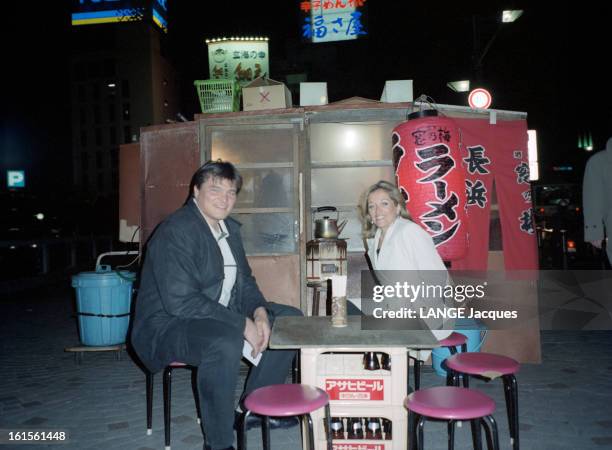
(15, 179)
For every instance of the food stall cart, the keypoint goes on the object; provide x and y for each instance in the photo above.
(298, 159)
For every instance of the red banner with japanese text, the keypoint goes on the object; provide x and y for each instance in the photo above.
(496, 154)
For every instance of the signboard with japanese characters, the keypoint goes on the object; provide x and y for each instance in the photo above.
(242, 59)
(355, 389)
(357, 446)
(333, 20)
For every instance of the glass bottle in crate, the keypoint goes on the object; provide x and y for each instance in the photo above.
(355, 428)
(387, 428)
(337, 428)
(373, 429)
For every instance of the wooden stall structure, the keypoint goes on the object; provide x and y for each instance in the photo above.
(293, 161)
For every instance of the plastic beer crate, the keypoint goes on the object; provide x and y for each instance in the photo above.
(356, 392)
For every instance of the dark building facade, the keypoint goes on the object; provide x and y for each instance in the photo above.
(121, 80)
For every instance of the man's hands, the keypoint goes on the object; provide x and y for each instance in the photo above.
(257, 331)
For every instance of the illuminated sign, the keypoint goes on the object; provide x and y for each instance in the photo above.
(159, 9)
(479, 99)
(15, 179)
(337, 20)
(243, 59)
(92, 12)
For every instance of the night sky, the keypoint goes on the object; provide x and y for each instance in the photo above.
(549, 64)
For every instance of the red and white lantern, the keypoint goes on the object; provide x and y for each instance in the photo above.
(430, 173)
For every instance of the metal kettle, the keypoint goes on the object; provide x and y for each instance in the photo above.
(326, 228)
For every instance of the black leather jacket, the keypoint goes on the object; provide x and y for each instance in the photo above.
(182, 277)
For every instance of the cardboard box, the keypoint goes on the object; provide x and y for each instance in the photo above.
(313, 94)
(264, 93)
(397, 91)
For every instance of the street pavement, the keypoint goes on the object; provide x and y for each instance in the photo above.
(564, 403)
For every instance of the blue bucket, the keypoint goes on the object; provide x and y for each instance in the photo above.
(476, 333)
(103, 305)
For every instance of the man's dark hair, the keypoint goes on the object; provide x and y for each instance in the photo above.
(215, 169)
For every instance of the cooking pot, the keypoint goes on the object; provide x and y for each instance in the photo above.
(326, 228)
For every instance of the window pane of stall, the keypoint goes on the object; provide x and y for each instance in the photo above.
(268, 233)
(343, 186)
(358, 141)
(266, 188)
(253, 145)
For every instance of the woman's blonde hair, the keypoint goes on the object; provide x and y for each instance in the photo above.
(367, 227)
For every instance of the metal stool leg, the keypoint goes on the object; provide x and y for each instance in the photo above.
(449, 378)
(411, 430)
(295, 369)
(194, 389)
(265, 432)
(476, 435)
(167, 400)
(328, 425)
(149, 388)
(511, 394)
(420, 439)
(493, 439)
(417, 374)
(311, 442)
(451, 434)
(243, 431)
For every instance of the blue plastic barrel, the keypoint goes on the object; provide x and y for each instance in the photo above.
(103, 305)
(476, 333)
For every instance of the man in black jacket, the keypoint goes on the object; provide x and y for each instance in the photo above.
(198, 302)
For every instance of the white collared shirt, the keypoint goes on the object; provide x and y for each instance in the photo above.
(229, 263)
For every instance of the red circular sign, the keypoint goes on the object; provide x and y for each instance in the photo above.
(479, 99)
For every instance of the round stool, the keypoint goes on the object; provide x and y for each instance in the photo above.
(451, 404)
(491, 366)
(284, 400)
(451, 342)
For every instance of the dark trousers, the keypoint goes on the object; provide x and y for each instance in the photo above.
(216, 349)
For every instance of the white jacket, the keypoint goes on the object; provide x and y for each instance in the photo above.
(406, 247)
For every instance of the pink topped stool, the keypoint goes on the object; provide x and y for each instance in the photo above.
(451, 404)
(284, 400)
(167, 383)
(451, 342)
(491, 366)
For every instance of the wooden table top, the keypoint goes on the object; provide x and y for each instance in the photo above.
(316, 331)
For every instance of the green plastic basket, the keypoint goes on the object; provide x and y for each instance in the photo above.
(218, 95)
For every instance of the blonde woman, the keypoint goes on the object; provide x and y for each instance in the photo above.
(395, 243)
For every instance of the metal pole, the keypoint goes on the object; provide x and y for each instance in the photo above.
(45, 259)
